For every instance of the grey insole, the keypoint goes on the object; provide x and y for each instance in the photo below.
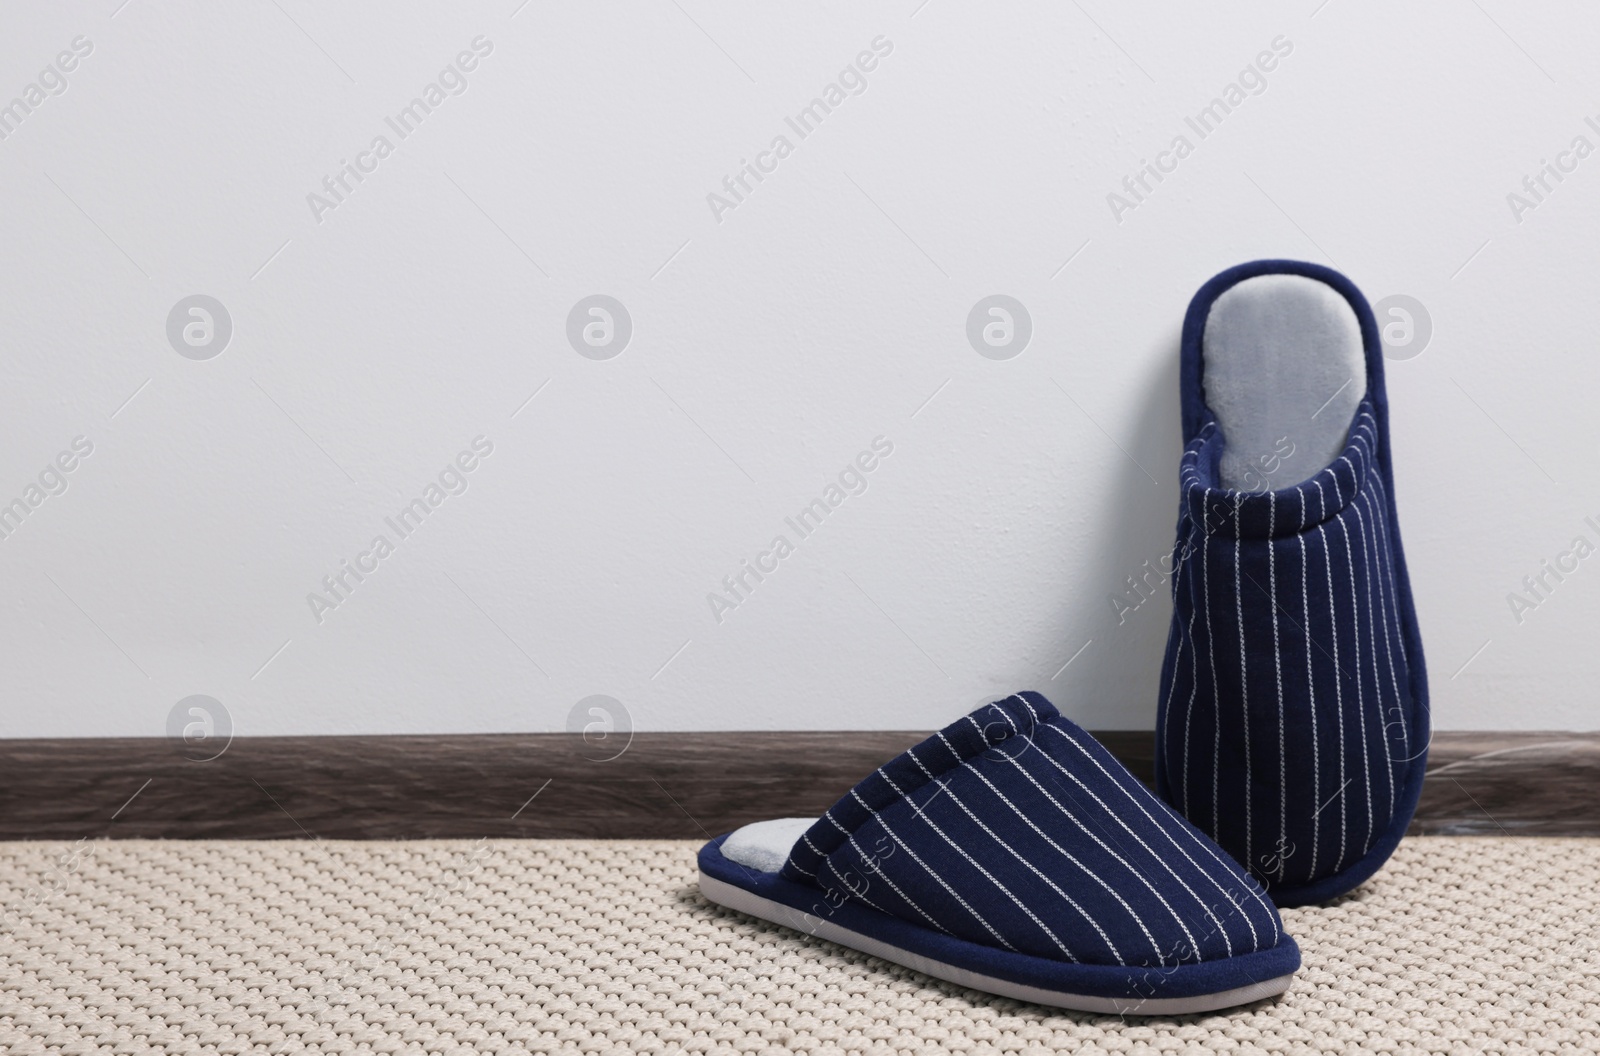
(1284, 372)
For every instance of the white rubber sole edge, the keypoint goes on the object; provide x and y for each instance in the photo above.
(738, 898)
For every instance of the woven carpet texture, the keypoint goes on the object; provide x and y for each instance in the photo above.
(1459, 944)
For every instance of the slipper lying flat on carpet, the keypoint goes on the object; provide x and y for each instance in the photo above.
(1011, 853)
(1293, 723)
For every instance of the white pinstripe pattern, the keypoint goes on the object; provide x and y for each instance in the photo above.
(979, 728)
(1216, 695)
(918, 808)
(979, 867)
(1103, 845)
(890, 883)
(1072, 882)
(1244, 687)
(1386, 588)
(1205, 845)
(1277, 659)
(1372, 585)
(1001, 939)
(1228, 942)
(1372, 651)
(1389, 628)
(1194, 688)
(1311, 709)
(1361, 707)
(1122, 783)
(1388, 554)
(1338, 688)
(1172, 687)
(1365, 435)
(1040, 874)
(1192, 458)
(1072, 858)
(977, 817)
(859, 896)
(1039, 723)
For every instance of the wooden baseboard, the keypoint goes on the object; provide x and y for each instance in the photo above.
(691, 785)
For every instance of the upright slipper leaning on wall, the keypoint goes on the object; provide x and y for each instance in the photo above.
(1293, 724)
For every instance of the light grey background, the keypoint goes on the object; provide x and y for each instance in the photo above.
(770, 345)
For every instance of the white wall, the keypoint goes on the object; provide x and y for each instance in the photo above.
(375, 339)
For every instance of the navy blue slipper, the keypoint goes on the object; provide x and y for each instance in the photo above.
(1011, 853)
(1293, 723)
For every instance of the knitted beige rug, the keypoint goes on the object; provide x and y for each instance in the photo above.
(604, 946)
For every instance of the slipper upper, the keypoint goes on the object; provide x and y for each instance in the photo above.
(1014, 828)
(1293, 720)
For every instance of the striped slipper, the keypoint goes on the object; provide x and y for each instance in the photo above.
(1011, 853)
(1293, 724)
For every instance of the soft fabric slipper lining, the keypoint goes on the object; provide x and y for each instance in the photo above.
(1284, 372)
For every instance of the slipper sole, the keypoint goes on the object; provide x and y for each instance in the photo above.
(1143, 985)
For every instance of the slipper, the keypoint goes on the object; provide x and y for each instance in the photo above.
(1293, 718)
(1011, 853)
